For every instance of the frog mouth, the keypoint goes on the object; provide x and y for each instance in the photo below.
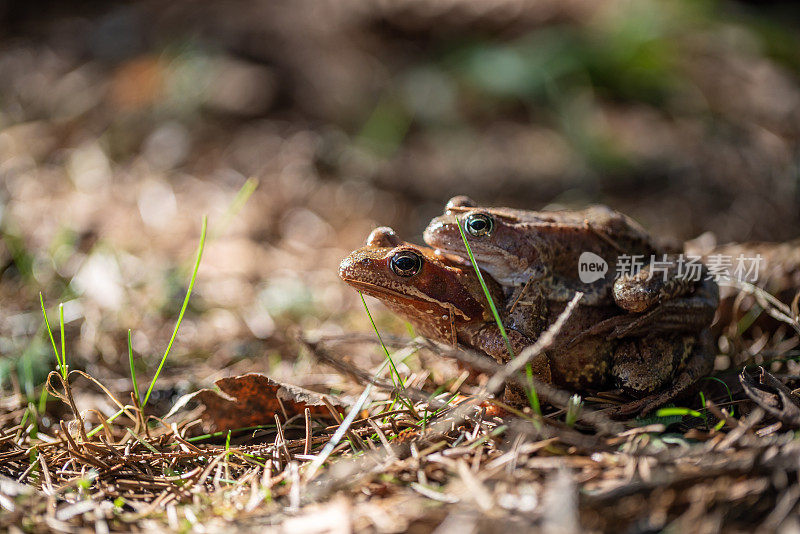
(379, 292)
(373, 289)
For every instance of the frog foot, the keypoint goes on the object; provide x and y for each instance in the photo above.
(701, 362)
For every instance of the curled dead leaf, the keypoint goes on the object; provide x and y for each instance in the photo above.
(773, 396)
(254, 399)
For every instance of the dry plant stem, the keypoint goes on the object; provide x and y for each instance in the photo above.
(282, 439)
(189, 447)
(363, 377)
(48, 481)
(122, 408)
(382, 437)
(389, 340)
(545, 340)
(774, 307)
(30, 468)
(283, 410)
(105, 390)
(712, 407)
(67, 398)
(343, 428)
(140, 424)
(743, 427)
(115, 452)
(307, 418)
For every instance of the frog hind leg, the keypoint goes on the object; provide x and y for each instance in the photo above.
(641, 365)
(699, 363)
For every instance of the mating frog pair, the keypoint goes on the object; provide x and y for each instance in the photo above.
(638, 332)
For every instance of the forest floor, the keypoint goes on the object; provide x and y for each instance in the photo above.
(246, 388)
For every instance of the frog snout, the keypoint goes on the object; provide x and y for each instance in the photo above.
(354, 267)
(346, 268)
(436, 233)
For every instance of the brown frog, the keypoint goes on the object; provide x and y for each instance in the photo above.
(441, 296)
(542, 252)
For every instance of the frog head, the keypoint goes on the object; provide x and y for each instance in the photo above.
(498, 238)
(435, 292)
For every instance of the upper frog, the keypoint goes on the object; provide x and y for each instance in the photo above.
(519, 246)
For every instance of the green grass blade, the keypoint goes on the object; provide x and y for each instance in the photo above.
(133, 368)
(42, 406)
(486, 291)
(533, 397)
(667, 412)
(111, 419)
(396, 379)
(52, 339)
(703, 405)
(244, 194)
(730, 395)
(574, 407)
(183, 310)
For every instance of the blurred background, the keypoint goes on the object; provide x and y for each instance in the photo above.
(300, 125)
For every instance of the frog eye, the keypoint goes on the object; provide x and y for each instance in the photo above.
(405, 263)
(479, 224)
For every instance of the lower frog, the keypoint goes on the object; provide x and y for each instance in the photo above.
(442, 297)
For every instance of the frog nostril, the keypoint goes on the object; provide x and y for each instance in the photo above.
(434, 232)
(344, 267)
(350, 267)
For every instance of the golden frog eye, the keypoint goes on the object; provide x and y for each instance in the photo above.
(479, 224)
(405, 263)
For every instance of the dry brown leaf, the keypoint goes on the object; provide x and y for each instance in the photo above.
(253, 399)
(773, 396)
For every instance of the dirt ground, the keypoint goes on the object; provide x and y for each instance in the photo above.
(297, 127)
